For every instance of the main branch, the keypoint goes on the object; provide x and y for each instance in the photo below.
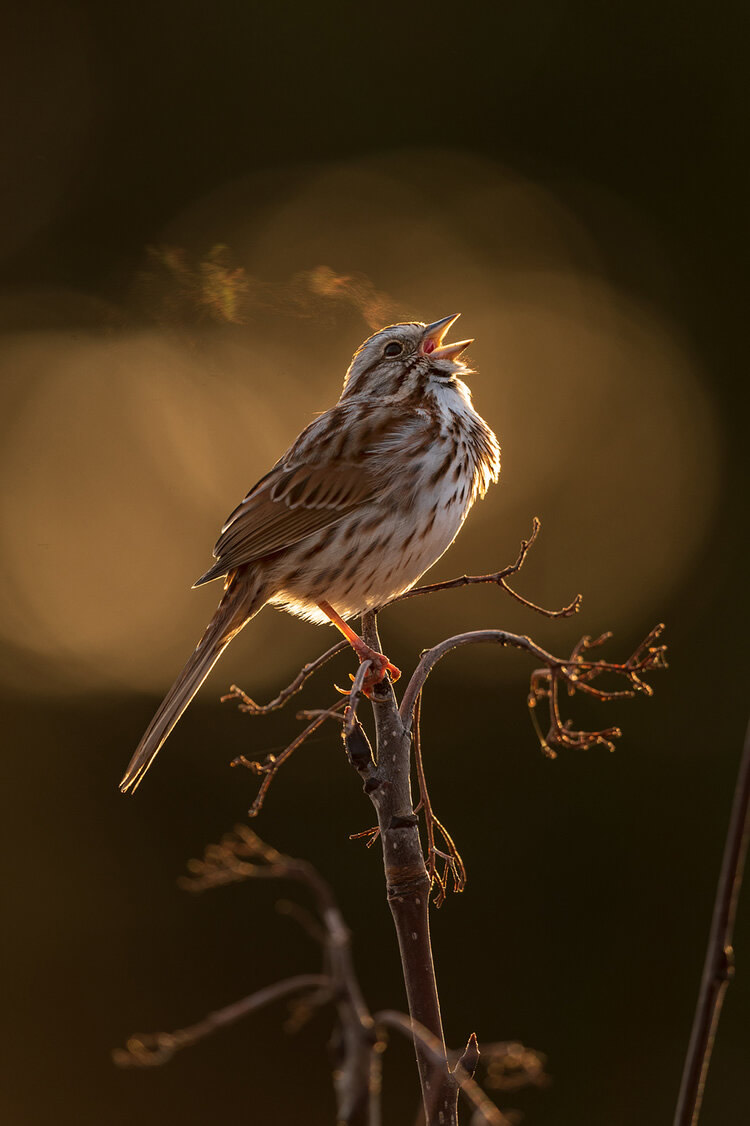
(387, 782)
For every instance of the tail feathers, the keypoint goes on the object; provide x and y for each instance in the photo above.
(214, 572)
(233, 612)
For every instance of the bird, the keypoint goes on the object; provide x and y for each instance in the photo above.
(364, 501)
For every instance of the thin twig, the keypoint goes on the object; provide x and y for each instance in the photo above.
(323, 713)
(369, 836)
(154, 1049)
(452, 858)
(249, 705)
(270, 767)
(499, 578)
(718, 969)
(355, 695)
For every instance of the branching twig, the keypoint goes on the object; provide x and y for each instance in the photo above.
(272, 763)
(154, 1049)
(575, 672)
(499, 578)
(718, 968)
(249, 705)
(270, 767)
(453, 863)
(242, 855)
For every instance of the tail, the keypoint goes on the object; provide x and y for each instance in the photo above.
(239, 604)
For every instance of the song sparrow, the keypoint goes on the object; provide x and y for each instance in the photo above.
(366, 499)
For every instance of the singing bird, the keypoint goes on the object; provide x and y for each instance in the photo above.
(365, 500)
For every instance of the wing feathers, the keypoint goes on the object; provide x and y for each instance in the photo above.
(319, 480)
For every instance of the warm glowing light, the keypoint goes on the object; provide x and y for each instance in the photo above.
(123, 452)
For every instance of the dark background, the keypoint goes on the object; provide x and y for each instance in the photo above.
(583, 928)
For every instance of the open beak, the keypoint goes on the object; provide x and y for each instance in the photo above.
(432, 340)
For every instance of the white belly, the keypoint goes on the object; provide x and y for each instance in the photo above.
(363, 569)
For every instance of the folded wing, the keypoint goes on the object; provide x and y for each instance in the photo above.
(315, 485)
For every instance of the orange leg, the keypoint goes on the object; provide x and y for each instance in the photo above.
(380, 663)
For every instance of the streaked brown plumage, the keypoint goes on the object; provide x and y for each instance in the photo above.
(367, 498)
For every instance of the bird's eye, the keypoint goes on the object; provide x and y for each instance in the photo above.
(393, 349)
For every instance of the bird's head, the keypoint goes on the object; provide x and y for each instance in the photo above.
(404, 360)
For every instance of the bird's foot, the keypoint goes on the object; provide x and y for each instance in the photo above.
(379, 667)
(379, 663)
(375, 675)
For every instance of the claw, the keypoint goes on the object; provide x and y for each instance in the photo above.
(376, 675)
(380, 666)
(380, 663)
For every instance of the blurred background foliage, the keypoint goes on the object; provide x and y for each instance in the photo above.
(204, 211)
